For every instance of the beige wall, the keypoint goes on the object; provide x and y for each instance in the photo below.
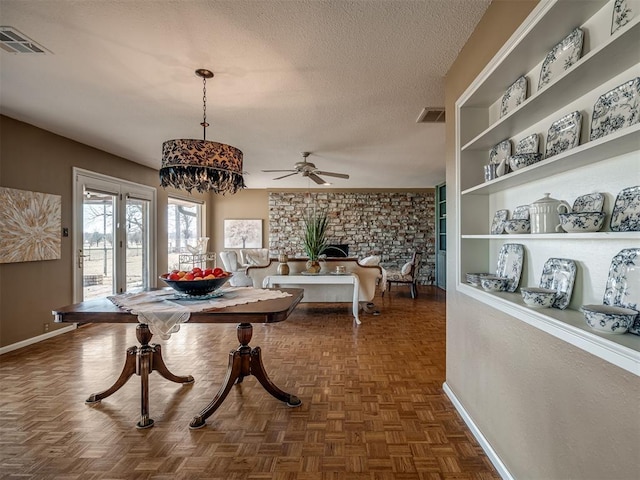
(40, 161)
(249, 204)
(549, 409)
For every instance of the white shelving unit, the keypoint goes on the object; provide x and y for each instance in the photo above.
(605, 165)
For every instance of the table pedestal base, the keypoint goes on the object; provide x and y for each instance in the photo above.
(243, 361)
(142, 361)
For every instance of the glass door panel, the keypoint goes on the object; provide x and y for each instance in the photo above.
(184, 227)
(97, 254)
(114, 240)
(136, 242)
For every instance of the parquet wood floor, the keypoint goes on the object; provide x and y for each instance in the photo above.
(373, 407)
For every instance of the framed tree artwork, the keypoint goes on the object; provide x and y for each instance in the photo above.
(243, 233)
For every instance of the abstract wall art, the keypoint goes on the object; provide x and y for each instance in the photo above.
(30, 226)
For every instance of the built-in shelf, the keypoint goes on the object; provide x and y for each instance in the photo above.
(634, 236)
(615, 144)
(607, 164)
(568, 325)
(552, 22)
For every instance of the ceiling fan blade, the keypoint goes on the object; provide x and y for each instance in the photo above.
(285, 176)
(290, 170)
(333, 174)
(316, 178)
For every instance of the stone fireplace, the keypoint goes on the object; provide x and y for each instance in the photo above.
(389, 224)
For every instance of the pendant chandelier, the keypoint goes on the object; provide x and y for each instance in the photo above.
(202, 165)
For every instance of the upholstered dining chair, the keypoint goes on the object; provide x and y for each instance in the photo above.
(230, 261)
(407, 275)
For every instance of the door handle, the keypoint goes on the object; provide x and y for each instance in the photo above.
(81, 258)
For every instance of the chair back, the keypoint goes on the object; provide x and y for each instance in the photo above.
(229, 260)
(416, 261)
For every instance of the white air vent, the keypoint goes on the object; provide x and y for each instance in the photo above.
(431, 115)
(13, 41)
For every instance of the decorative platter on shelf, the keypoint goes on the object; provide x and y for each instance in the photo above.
(514, 96)
(528, 144)
(500, 152)
(623, 283)
(510, 260)
(622, 14)
(559, 274)
(625, 216)
(563, 134)
(561, 57)
(591, 202)
(499, 155)
(521, 213)
(499, 219)
(616, 109)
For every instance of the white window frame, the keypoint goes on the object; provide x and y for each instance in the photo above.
(123, 189)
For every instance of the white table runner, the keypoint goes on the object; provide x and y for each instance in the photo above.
(164, 311)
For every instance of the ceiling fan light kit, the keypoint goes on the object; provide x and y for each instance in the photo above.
(309, 170)
(201, 165)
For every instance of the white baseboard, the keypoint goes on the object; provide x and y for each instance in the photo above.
(486, 446)
(39, 338)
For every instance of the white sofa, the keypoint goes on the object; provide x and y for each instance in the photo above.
(368, 276)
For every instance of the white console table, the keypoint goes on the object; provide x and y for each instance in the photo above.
(322, 279)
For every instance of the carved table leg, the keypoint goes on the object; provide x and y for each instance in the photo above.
(159, 366)
(243, 362)
(142, 361)
(128, 370)
(257, 369)
(233, 373)
(144, 369)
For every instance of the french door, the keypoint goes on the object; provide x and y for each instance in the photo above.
(114, 239)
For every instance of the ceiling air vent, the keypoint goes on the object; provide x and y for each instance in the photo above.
(431, 115)
(13, 41)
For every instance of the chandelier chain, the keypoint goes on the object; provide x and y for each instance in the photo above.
(204, 108)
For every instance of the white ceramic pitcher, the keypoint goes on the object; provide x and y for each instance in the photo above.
(543, 214)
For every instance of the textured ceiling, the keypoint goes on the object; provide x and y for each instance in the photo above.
(345, 80)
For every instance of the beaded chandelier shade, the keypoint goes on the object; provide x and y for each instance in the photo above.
(203, 165)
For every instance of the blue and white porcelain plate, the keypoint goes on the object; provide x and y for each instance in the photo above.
(622, 14)
(528, 144)
(497, 225)
(521, 213)
(563, 134)
(500, 152)
(591, 202)
(514, 96)
(616, 109)
(510, 260)
(626, 211)
(499, 155)
(559, 274)
(561, 57)
(623, 283)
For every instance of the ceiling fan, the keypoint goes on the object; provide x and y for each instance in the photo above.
(308, 169)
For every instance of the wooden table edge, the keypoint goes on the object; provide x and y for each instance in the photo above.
(265, 311)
